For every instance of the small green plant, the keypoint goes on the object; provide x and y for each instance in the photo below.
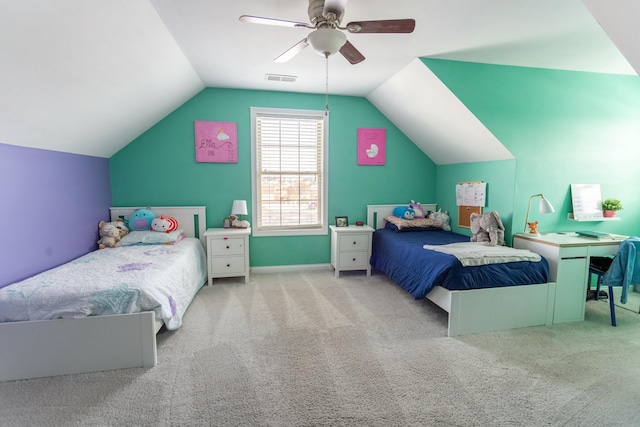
(611, 205)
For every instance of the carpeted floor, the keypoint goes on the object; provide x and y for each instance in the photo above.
(306, 349)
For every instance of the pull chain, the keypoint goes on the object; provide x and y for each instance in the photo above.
(326, 93)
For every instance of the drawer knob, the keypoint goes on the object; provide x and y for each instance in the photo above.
(354, 259)
(227, 247)
(228, 265)
(354, 243)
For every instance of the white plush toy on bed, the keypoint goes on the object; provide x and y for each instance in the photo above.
(443, 217)
(111, 233)
(164, 224)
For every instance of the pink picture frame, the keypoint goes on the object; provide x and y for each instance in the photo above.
(216, 142)
(372, 146)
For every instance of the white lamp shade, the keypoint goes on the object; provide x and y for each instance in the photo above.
(327, 41)
(545, 206)
(239, 207)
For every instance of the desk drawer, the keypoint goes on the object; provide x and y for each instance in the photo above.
(574, 252)
(603, 250)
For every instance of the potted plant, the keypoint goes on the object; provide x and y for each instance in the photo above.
(610, 206)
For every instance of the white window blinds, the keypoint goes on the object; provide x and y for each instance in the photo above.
(289, 171)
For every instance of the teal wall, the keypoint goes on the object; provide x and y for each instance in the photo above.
(563, 128)
(500, 177)
(159, 167)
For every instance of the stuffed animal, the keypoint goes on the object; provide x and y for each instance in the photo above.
(124, 230)
(533, 226)
(238, 223)
(417, 209)
(443, 217)
(165, 224)
(141, 220)
(109, 234)
(487, 227)
(404, 212)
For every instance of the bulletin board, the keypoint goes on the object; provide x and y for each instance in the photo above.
(471, 197)
(464, 215)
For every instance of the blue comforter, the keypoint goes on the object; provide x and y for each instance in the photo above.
(401, 256)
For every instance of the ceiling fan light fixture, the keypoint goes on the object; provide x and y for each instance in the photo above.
(327, 41)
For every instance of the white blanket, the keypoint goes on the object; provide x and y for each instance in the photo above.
(479, 253)
(129, 279)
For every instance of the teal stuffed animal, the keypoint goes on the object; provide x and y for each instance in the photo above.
(404, 212)
(141, 220)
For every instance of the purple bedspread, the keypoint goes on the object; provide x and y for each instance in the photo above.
(417, 270)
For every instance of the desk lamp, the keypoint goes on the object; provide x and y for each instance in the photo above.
(544, 207)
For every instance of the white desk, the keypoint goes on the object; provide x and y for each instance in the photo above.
(568, 256)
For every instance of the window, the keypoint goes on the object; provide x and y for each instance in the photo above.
(289, 172)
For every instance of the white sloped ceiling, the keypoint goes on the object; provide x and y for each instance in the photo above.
(417, 102)
(87, 77)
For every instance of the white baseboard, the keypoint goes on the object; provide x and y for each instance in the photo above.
(291, 268)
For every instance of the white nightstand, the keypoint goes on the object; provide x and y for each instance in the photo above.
(228, 252)
(351, 248)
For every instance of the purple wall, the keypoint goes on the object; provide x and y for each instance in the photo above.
(50, 206)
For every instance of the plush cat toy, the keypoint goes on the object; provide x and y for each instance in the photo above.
(164, 224)
(417, 209)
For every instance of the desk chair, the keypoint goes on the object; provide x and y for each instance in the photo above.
(599, 265)
(624, 271)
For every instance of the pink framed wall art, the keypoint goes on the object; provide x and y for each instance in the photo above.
(216, 142)
(372, 146)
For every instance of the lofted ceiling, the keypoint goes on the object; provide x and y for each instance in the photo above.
(89, 77)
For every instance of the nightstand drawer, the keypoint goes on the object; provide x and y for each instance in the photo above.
(226, 246)
(354, 260)
(227, 265)
(354, 242)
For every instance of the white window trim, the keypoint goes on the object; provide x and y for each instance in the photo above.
(324, 229)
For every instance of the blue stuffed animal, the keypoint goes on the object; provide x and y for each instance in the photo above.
(141, 220)
(404, 212)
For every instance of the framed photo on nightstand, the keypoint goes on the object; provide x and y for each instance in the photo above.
(342, 221)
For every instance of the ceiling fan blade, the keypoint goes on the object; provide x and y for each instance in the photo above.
(272, 21)
(334, 6)
(352, 54)
(385, 26)
(292, 51)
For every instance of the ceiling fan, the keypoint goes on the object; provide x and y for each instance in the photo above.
(327, 37)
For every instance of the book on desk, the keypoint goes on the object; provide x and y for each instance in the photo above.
(594, 234)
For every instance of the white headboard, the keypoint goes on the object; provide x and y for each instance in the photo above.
(376, 213)
(191, 219)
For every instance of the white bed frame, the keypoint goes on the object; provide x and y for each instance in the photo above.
(45, 348)
(484, 310)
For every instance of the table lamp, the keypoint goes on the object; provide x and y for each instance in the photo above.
(544, 207)
(240, 208)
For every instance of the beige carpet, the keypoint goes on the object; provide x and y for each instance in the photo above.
(309, 350)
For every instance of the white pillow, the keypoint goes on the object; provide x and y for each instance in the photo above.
(151, 238)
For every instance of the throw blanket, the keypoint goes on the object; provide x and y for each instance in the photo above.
(479, 253)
